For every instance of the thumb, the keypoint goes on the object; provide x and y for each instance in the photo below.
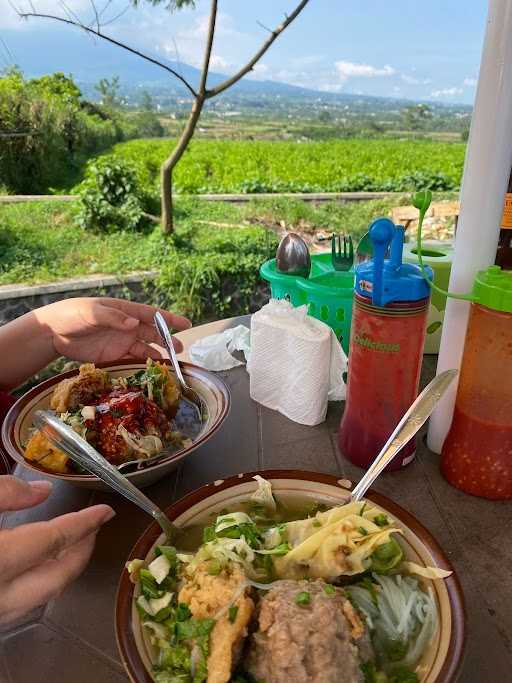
(107, 316)
(16, 494)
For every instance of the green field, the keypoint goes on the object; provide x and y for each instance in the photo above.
(211, 166)
(39, 242)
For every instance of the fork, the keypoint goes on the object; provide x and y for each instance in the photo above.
(342, 261)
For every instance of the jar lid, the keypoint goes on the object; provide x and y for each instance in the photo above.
(493, 288)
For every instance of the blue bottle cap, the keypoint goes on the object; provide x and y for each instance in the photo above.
(389, 280)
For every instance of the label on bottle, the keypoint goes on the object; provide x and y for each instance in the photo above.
(506, 219)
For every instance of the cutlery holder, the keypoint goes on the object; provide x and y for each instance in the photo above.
(328, 293)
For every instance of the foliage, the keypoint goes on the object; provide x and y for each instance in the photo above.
(109, 92)
(46, 131)
(416, 116)
(282, 166)
(111, 197)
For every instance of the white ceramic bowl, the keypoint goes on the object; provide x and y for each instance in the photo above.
(19, 421)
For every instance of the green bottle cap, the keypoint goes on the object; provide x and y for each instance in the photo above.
(493, 289)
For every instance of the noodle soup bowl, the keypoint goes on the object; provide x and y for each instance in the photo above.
(441, 660)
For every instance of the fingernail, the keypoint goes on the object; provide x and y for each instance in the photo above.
(41, 485)
(108, 516)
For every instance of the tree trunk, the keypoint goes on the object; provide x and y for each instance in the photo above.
(172, 160)
(166, 193)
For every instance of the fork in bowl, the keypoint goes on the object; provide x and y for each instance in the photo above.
(342, 261)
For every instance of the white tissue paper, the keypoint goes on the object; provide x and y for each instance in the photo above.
(214, 352)
(296, 364)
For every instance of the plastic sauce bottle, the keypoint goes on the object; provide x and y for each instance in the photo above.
(477, 453)
(391, 303)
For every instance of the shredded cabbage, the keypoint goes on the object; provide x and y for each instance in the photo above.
(147, 445)
(263, 493)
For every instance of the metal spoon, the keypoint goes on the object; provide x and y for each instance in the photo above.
(411, 422)
(187, 391)
(292, 256)
(63, 437)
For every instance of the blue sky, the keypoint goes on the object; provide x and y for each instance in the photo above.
(398, 48)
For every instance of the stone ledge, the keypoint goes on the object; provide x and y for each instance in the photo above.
(85, 282)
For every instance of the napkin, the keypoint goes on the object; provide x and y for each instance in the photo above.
(296, 363)
(214, 352)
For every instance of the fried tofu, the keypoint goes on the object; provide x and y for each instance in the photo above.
(41, 451)
(81, 389)
(172, 389)
(206, 596)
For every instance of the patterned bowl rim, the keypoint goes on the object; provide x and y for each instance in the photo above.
(191, 371)
(127, 645)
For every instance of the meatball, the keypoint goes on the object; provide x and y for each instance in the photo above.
(316, 637)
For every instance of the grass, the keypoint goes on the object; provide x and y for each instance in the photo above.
(279, 166)
(40, 243)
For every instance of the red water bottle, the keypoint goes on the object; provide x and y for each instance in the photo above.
(389, 318)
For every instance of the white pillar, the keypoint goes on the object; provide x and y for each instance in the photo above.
(486, 173)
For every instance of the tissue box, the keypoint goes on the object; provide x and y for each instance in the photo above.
(296, 362)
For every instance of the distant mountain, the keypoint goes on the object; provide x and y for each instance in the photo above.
(89, 60)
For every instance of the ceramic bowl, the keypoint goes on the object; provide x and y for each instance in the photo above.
(439, 664)
(19, 421)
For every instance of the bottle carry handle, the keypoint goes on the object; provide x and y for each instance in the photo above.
(422, 200)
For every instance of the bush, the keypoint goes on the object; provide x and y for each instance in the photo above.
(111, 197)
(57, 132)
(211, 274)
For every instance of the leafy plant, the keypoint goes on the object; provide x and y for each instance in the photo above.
(111, 197)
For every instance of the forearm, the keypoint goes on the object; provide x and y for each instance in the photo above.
(26, 346)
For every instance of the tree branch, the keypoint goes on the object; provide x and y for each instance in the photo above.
(208, 48)
(87, 29)
(249, 66)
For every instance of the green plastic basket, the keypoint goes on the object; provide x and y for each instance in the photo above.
(327, 292)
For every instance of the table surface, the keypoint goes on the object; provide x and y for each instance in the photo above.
(73, 638)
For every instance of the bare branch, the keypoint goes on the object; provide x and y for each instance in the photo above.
(265, 28)
(7, 52)
(208, 48)
(87, 29)
(96, 16)
(250, 64)
(117, 16)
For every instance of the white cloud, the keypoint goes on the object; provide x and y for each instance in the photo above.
(470, 82)
(412, 80)
(218, 62)
(189, 42)
(348, 70)
(446, 92)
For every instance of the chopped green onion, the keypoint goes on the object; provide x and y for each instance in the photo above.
(232, 612)
(183, 612)
(381, 520)
(303, 598)
(362, 531)
(363, 509)
(208, 534)
(329, 589)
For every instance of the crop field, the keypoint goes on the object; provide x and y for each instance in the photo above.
(211, 166)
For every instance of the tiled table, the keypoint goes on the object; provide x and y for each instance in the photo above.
(73, 639)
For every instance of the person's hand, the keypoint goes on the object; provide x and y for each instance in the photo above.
(38, 560)
(103, 329)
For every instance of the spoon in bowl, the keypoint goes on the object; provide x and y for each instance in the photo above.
(187, 391)
(63, 437)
